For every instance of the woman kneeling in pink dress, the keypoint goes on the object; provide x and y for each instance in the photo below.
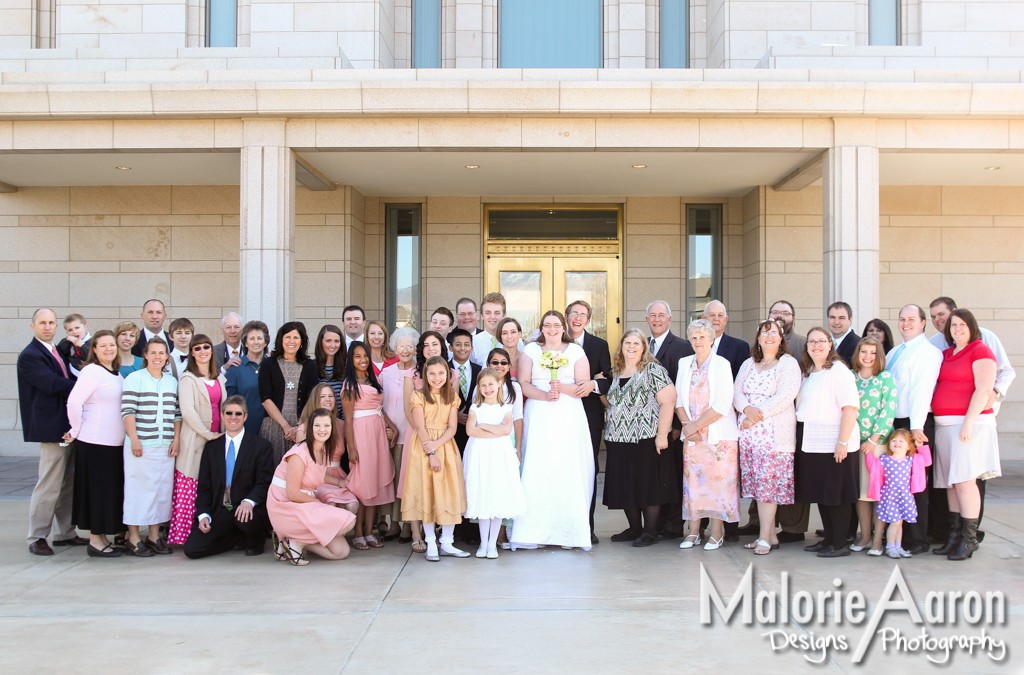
(302, 523)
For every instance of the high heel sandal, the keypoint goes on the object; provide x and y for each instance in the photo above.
(279, 553)
(294, 557)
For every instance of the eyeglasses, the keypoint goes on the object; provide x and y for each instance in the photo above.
(202, 348)
(819, 342)
(232, 413)
(776, 312)
(770, 333)
(498, 363)
(581, 315)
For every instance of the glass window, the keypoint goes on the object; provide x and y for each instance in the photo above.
(675, 33)
(403, 265)
(703, 257)
(553, 224)
(884, 22)
(546, 34)
(426, 34)
(221, 23)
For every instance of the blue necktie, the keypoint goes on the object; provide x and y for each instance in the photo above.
(895, 355)
(230, 461)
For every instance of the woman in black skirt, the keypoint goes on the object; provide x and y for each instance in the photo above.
(639, 473)
(94, 411)
(828, 460)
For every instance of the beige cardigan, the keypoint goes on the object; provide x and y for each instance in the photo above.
(196, 418)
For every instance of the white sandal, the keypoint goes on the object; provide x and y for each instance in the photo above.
(714, 545)
(687, 543)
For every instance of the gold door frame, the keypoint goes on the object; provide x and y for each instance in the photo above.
(523, 255)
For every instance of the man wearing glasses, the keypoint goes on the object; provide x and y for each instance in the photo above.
(234, 476)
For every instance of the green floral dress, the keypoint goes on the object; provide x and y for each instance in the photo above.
(876, 415)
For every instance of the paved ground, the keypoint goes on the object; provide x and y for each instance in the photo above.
(613, 610)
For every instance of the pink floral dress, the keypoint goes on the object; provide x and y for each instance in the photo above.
(767, 475)
(710, 472)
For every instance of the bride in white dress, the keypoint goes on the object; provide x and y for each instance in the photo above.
(558, 460)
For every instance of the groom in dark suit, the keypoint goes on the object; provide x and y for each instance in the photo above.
(840, 321)
(668, 349)
(232, 509)
(577, 316)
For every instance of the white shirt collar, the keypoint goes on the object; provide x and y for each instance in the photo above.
(838, 340)
(238, 442)
(48, 345)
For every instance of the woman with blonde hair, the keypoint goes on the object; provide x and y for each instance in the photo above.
(376, 338)
(127, 333)
(640, 475)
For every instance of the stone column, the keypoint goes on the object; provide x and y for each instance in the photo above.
(850, 211)
(267, 231)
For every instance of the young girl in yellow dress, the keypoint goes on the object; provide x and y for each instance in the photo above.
(434, 490)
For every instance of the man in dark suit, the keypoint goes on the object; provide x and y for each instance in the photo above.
(840, 320)
(466, 372)
(153, 316)
(668, 349)
(577, 315)
(733, 350)
(228, 352)
(44, 382)
(231, 507)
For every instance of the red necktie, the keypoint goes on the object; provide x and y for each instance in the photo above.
(60, 362)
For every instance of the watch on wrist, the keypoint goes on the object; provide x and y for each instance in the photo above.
(842, 443)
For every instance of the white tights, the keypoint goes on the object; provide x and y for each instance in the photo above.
(447, 535)
(489, 530)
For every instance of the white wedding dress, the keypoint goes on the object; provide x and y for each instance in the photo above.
(558, 463)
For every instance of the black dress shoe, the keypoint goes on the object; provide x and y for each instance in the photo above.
(594, 541)
(790, 537)
(732, 536)
(256, 549)
(107, 551)
(749, 528)
(671, 534)
(832, 552)
(626, 535)
(40, 547)
(159, 546)
(817, 548)
(645, 539)
(919, 549)
(139, 550)
(819, 533)
(73, 541)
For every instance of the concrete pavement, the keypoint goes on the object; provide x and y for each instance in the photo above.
(615, 609)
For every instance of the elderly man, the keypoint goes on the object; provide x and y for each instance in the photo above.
(153, 316)
(939, 309)
(915, 369)
(733, 350)
(668, 348)
(228, 353)
(466, 316)
(44, 382)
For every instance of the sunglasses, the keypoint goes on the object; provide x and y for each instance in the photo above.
(499, 363)
(202, 348)
(232, 413)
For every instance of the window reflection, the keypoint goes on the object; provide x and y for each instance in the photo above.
(403, 253)
(703, 258)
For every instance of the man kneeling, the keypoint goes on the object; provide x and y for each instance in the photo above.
(231, 501)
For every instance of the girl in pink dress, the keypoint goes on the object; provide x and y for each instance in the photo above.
(322, 396)
(372, 472)
(302, 523)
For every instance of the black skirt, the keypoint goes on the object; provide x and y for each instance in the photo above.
(819, 480)
(636, 476)
(98, 504)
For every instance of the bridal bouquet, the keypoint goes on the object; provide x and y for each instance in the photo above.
(553, 361)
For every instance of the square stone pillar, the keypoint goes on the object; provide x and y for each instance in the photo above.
(267, 231)
(850, 211)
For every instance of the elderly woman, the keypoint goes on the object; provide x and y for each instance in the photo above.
(152, 420)
(878, 399)
(704, 393)
(392, 379)
(828, 461)
(766, 387)
(94, 411)
(967, 448)
(376, 338)
(126, 334)
(201, 389)
(286, 379)
(639, 474)
(558, 459)
(244, 379)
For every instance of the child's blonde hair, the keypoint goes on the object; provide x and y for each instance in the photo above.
(908, 437)
(478, 397)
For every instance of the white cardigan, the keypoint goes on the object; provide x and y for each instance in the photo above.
(721, 395)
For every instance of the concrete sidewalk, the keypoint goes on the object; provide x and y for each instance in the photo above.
(616, 609)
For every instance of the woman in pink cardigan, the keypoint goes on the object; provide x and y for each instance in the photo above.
(94, 411)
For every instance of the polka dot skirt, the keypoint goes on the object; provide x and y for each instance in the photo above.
(183, 508)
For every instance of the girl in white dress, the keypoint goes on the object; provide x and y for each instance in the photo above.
(558, 460)
(493, 490)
